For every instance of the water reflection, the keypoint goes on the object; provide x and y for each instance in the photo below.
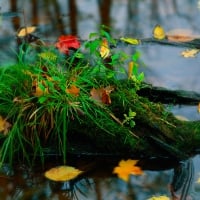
(98, 183)
(161, 177)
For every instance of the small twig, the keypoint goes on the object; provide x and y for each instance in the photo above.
(119, 122)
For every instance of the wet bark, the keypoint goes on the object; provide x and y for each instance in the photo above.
(161, 94)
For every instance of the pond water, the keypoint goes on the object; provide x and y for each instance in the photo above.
(163, 66)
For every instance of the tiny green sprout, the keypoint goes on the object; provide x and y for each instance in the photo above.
(129, 119)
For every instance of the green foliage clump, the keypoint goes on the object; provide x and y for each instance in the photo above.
(45, 98)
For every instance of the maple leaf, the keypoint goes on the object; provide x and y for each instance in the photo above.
(66, 42)
(4, 126)
(62, 173)
(104, 49)
(127, 168)
(102, 95)
(73, 90)
(188, 53)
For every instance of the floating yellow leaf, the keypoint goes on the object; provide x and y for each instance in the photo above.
(127, 168)
(25, 31)
(162, 197)
(190, 53)
(159, 32)
(104, 49)
(4, 126)
(62, 173)
(130, 40)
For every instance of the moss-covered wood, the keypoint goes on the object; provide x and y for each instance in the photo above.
(46, 105)
(156, 133)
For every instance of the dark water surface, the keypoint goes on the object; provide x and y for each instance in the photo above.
(163, 66)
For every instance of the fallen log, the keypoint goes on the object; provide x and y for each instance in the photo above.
(155, 133)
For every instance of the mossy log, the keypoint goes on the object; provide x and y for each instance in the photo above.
(156, 133)
(39, 103)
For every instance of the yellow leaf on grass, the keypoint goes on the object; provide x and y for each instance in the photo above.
(127, 168)
(39, 88)
(39, 92)
(190, 53)
(159, 32)
(25, 31)
(4, 126)
(130, 40)
(130, 69)
(73, 90)
(162, 197)
(104, 49)
(62, 173)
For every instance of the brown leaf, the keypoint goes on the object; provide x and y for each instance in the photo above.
(102, 95)
(4, 126)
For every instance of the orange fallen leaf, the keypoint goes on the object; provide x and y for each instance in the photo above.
(4, 126)
(73, 90)
(104, 49)
(39, 89)
(127, 168)
(62, 173)
(181, 35)
(102, 95)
